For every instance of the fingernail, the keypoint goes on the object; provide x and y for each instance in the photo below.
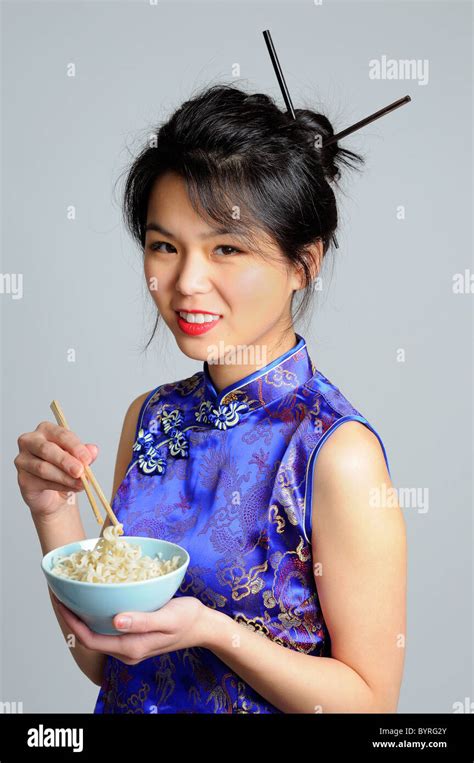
(124, 622)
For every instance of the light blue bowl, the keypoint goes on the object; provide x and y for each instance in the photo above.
(97, 603)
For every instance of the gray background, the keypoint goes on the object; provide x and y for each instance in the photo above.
(65, 141)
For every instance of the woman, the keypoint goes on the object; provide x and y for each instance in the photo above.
(294, 599)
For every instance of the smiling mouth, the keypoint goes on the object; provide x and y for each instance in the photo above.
(199, 319)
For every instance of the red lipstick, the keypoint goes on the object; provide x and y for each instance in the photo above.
(196, 329)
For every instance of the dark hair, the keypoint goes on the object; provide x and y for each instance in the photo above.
(237, 150)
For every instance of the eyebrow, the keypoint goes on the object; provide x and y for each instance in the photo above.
(154, 226)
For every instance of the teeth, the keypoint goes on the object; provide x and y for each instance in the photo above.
(198, 317)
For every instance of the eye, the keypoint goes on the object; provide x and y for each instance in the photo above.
(155, 247)
(224, 246)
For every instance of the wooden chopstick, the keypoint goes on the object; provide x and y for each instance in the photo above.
(61, 419)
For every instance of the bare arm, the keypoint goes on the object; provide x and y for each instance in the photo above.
(68, 527)
(359, 549)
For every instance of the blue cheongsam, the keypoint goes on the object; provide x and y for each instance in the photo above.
(228, 476)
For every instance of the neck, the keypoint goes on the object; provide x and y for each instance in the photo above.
(247, 359)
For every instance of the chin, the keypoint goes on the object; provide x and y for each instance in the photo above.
(193, 347)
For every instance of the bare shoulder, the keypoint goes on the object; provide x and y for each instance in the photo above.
(135, 406)
(351, 479)
(352, 451)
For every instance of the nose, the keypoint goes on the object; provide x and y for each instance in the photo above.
(194, 273)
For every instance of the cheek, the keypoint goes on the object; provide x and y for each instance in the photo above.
(258, 285)
(156, 279)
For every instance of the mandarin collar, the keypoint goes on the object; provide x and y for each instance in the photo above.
(274, 380)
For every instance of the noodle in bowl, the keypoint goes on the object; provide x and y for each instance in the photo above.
(98, 578)
(113, 560)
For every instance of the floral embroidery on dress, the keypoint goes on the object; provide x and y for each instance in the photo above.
(147, 443)
(149, 462)
(204, 409)
(179, 444)
(171, 420)
(222, 417)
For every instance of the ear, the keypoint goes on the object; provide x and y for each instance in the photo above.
(314, 259)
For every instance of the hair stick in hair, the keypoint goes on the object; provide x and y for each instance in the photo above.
(367, 120)
(278, 72)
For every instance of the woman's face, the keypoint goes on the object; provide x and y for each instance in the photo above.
(190, 267)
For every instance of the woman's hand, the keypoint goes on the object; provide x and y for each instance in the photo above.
(183, 622)
(49, 464)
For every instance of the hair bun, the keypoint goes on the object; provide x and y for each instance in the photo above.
(317, 128)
